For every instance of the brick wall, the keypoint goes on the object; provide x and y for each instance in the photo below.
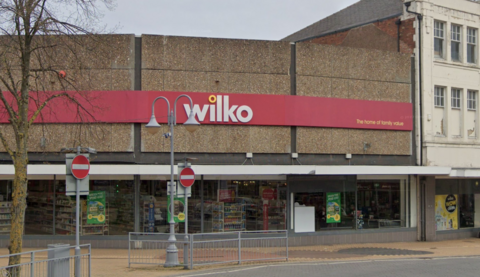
(381, 35)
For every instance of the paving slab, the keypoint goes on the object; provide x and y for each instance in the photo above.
(114, 262)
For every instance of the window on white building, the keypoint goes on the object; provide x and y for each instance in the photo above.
(456, 42)
(472, 100)
(439, 97)
(471, 45)
(456, 98)
(439, 37)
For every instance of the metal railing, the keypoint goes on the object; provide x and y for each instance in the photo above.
(40, 263)
(209, 248)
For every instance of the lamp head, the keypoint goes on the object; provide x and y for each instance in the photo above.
(191, 124)
(153, 127)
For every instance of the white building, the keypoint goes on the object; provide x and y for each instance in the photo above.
(448, 86)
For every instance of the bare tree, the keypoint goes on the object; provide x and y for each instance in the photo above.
(37, 38)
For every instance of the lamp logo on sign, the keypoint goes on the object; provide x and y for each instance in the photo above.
(220, 110)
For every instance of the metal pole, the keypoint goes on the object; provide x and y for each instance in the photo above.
(185, 246)
(77, 226)
(239, 247)
(191, 251)
(172, 251)
(201, 206)
(129, 243)
(90, 260)
(286, 239)
(54, 202)
(32, 265)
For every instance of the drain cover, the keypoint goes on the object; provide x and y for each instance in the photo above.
(381, 251)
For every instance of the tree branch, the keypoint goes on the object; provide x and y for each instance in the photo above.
(5, 145)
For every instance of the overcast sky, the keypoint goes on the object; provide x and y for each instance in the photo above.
(245, 19)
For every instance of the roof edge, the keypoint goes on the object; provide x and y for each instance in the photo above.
(347, 28)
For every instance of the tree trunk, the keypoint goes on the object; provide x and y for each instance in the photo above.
(19, 195)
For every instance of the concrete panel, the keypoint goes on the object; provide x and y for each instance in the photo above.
(280, 57)
(387, 70)
(314, 59)
(100, 79)
(371, 136)
(386, 142)
(313, 140)
(152, 52)
(373, 90)
(152, 80)
(357, 90)
(400, 92)
(196, 81)
(403, 68)
(122, 79)
(341, 57)
(218, 143)
(217, 82)
(270, 139)
(198, 54)
(175, 81)
(260, 83)
(239, 139)
(154, 143)
(239, 56)
(314, 86)
(280, 84)
(259, 56)
(358, 63)
(340, 88)
(340, 141)
(175, 50)
(356, 138)
(239, 82)
(404, 143)
(122, 138)
(100, 137)
(384, 90)
(220, 53)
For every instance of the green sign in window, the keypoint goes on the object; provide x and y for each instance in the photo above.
(96, 207)
(333, 207)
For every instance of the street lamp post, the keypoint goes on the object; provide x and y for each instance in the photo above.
(153, 127)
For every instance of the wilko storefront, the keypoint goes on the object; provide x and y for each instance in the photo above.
(307, 138)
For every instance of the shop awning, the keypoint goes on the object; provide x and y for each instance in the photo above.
(272, 172)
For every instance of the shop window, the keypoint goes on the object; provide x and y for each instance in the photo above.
(5, 206)
(381, 204)
(333, 210)
(456, 32)
(471, 45)
(244, 205)
(439, 38)
(119, 201)
(153, 207)
(39, 215)
(457, 204)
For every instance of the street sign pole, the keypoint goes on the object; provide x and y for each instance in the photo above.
(78, 168)
(77, 227)
(181, 169)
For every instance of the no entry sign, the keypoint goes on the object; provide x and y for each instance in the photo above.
(187, 177)
(80, 167)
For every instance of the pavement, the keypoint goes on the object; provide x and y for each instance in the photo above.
(114, 262)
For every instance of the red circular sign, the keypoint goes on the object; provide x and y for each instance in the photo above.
(80, 167)
(187, 177)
